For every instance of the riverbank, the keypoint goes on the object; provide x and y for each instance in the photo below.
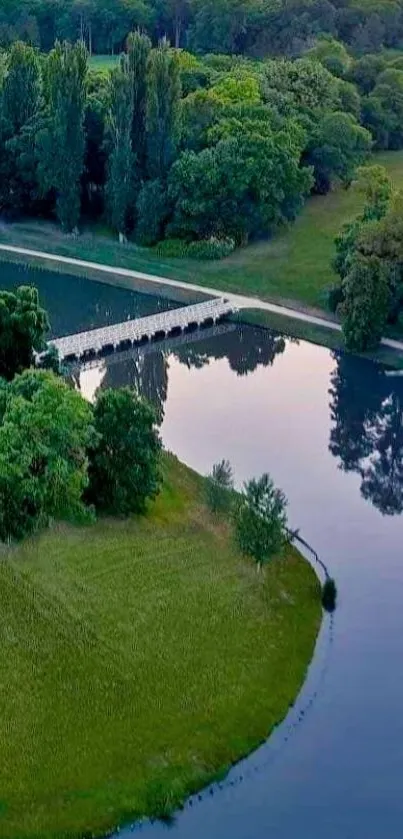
(142, 658)
(316, 327)
(293, 268)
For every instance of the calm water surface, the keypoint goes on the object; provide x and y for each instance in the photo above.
(329, 429)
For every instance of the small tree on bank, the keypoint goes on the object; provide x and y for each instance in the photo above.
(219, 487)
(260, 520)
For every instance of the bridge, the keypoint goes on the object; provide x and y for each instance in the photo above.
(123, 336)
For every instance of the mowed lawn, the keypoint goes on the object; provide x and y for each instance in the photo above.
(294, 267)
(139, 659)
(103, 62)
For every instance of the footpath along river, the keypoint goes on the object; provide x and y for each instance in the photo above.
(329, 428)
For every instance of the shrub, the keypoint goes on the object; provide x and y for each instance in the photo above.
(213, 248)
(172, 247)
(219, 487)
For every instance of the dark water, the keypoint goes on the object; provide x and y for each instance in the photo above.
(329, 429)
(75, 304)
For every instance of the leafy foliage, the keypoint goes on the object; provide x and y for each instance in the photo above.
(46, 428)
(61, 142)
(219, 487)
(260, 520)
(364, 309)
(23, 325)
(124, 463)
(119, 185)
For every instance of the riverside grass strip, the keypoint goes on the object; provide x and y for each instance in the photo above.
(140, 658)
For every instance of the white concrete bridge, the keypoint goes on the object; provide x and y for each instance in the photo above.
(122, 336)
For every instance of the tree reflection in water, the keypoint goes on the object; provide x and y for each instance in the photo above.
(146, 372)
(245, 348)
(367, 436)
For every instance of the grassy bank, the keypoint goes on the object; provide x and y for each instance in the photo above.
(315, 335)
(294, 267)
(139, 659)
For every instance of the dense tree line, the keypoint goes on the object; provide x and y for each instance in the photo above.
(199, 155)
(249, 27)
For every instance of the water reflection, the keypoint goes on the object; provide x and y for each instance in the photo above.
(366, 406)
(245, 348)
(367, 436)
(146, 368)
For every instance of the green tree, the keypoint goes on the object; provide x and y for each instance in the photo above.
(365, 71)
(23, 325)
(247, 183)
(337, 146)
(124, 464)
(120, 178)
(153, 209)
(138, 50)
(364, 310)
(62, 142)
(219, 487)
(19, 122)
(260, 520)
(46, 428)
(162, 110)
(22, 87)
(332, 54)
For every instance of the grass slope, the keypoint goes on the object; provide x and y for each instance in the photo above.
(293, 267)
(139, 659)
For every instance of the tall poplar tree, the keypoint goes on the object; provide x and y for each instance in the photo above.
(119, 186)
(162, 110)
(62, 143)
(138, 50)
(22, 87)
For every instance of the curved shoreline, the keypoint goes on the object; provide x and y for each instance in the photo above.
(258, 760)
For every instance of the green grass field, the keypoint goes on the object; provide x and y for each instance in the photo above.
(140, 659)
(294, 267)
(103, 62)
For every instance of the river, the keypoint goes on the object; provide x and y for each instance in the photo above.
(329, 429)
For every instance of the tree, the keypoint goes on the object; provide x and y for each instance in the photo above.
(365, 71)
(19, 121)
(337, 146)
(22, 87)
(23, 325)
(162, 110)
(260, 520)
(124, 463)
(138, 51)
(62, 142)
(364, 310)
(332, 54)
(153, 209)
(219, 487)
(247, 183)
(46, 428)
(119, 185)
